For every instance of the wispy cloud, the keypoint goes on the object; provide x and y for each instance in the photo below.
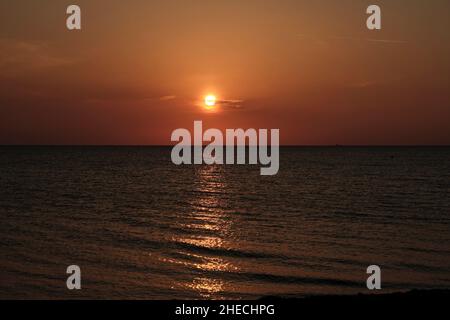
(369, 39)
(167, 98)
(126, 94)
(231, 104)
(363, 84)
(17, 55)
(323, 40)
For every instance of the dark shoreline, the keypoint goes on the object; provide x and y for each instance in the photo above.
(414, 303)
(426, 294)
(361, 306)
(422, 295)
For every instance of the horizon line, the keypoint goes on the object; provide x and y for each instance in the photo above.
(281, 145)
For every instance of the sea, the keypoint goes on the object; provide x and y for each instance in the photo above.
(140, 227)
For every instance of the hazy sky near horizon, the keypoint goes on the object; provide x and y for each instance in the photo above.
(137, 70)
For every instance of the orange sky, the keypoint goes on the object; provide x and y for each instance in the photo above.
(311, 68)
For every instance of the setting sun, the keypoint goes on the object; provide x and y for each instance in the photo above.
(210, 101)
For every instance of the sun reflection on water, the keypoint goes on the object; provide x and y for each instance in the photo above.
(207, 287)
(210, 223)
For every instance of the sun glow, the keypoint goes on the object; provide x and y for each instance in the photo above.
(210, 101)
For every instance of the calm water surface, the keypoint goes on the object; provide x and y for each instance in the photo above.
(141, 227)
